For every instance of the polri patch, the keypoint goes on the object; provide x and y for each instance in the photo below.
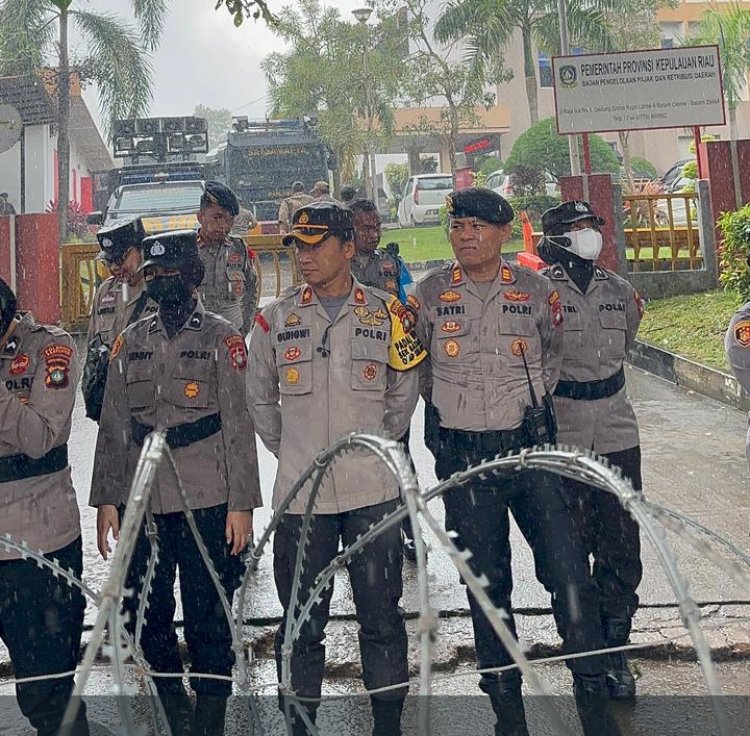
(370, 372)
(292, 353)
(519, 347)
(57, 359)
(19, 364)
(742, 333)
(452, 348)
(292, 376)
(237, 352)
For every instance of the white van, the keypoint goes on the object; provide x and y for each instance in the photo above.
(422, 198)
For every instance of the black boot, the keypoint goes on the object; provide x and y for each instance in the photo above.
(210, 714)
(620, 680)
(177, 707)
(507, 702)
(594, 709)
(387, 717)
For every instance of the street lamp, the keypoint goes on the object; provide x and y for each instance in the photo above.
(362, 15)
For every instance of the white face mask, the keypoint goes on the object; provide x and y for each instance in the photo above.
(586, 244)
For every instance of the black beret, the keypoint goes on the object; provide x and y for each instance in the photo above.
(115, 239)
(315, 221)
(566, 214)
(218, 193)
(171, 250)
(481, 203)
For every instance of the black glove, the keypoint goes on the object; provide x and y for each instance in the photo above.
(94, 378)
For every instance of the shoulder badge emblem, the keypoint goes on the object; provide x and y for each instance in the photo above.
(452, 348)
(292, 376)
(742, 333)
(192, 389)
(517, 296)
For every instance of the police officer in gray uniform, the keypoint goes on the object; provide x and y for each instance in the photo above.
(41, 615)
(182, 370)
(737, 348)
(230, 286)
(495, 337)
(602, 313)
(329, 358)
(118, 301)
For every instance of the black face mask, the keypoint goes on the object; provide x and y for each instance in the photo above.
(7, 307)
(169, 292)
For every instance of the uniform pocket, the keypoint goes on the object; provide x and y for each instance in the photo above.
(613, 319)
(140, 391)
(191, 388)
(236, 281)
(520, 338)
(294, 365)
(369, 365)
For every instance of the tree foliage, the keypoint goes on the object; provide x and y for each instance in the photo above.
(219, 122)
(541, 148)
(734, 273)
(488, 27)
(396, 175)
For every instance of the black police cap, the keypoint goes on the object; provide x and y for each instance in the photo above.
(316, 221)
(567, 213)
(171, 250)
(115, 239)
(479, 202)
(218, 193)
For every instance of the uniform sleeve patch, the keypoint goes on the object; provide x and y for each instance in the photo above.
(405, 350)
(57, 360)
(260, 320)
(116, 347)
(237, 351)
(639, 303)
(554, 302)
(742, 333)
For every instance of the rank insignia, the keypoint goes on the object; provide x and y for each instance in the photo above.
(457, 275)
(359, 296)
(519, 347)
(307, 295)
(292, 376)
(370, 371)
(116, 347)
(292, 353)
(238, 288)
(451, 326)
(742, 333)
(237, 351)
(452, 348)
(304, 218)
(19, 364)
(192, 389)
(516, 296)
(57, 359)
(449, 296)
(293, 320)
(260, 320)
(506, 275)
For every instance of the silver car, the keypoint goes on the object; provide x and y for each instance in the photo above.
(422, 198)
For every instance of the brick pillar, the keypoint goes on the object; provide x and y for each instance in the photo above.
(5, 246)
(38, 266)
(602, 199)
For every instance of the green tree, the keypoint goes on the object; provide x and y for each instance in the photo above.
(219, 122)
(114, 54)
(487, 28)
(540, 148)
(729, 29)
(396, 175)
(324, 74)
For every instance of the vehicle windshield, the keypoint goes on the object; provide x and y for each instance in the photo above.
(166, 196)
(432, 185)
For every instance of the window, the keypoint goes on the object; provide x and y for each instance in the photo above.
(545, 71)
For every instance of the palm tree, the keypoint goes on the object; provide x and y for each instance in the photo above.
(488, 27)
(730, 31)
(115, 56)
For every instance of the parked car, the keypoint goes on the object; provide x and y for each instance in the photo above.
(674, 173)
(422, 199)
(502, 183)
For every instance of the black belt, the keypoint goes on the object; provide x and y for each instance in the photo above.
(484, 443)
(183, 434)
(591, 390)
(18, 467)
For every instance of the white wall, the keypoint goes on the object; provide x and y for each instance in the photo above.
(40, 163)
(10, 175)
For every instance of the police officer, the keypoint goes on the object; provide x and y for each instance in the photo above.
(291, 204)
(338, 354)
(321, 191)
(385, 270)
(373, 266)
(181, 370)
(118, 301)
(494, 333)
(230, 286)
(41, 616)
(737, 348)
(602, 313)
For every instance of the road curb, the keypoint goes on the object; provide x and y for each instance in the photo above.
(710, 382)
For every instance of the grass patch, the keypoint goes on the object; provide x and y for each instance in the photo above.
(692, 326)
(429, 243)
